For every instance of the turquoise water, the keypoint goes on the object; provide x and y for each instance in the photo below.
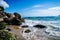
(47, 18)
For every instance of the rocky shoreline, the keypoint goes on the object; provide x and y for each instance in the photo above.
(8, 19)
(14, 27)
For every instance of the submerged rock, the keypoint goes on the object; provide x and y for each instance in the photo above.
(25, 26)
(39, 26)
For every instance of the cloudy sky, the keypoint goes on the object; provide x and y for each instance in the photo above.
(32, 7)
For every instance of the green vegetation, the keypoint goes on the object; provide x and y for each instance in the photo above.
(9, 19)
(2, 25)
(7, 36)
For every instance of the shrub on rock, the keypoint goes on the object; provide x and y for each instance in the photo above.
(2, 25)
(4, 35)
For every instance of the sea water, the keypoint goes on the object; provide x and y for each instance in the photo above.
(52, 24)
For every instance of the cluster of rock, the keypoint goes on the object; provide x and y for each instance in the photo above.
(11, 19)
(8, 19)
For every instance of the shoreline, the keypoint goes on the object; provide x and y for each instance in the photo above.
(40, 36)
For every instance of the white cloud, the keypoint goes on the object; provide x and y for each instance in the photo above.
(33, 7)
(53, 11)
(3, 3)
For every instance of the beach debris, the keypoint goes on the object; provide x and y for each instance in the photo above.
(39, 26)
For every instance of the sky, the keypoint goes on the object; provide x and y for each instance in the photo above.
(28, 8)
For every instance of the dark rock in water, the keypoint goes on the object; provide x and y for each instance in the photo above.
(39, 26)
(27, 31)
(8, 29)
(25, 26)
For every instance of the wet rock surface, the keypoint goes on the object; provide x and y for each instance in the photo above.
(39, 26)
(24, 26)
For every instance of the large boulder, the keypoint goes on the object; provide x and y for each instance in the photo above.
(16, 21)
(17, 15)
(8, 14)
(7, 20)
(1, 8)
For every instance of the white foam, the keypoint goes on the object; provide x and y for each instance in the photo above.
(31, 23)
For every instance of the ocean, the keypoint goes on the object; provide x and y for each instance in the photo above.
(51, 22)
(46, 18)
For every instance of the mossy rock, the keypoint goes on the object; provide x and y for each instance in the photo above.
(27, 31)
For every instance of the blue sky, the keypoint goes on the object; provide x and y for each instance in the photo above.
(33, 7)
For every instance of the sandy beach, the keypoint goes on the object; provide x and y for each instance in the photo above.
(35, 34)
(17, 32)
